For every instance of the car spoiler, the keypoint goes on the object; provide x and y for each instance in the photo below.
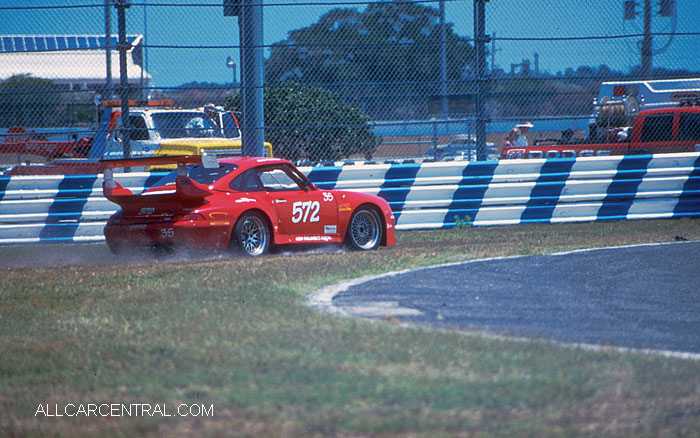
(185, 188)
(208, 160)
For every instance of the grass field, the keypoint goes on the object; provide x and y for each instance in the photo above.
(234, 334)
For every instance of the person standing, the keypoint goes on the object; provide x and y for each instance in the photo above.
(521, 141)
(512, 137)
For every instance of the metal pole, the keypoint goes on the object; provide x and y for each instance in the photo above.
(443, 62)
(646, 42)
(144, 55)
(480, 40)
(108, 47)
(123, 46)
(251, 22)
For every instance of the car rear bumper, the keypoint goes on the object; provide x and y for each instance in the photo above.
(198, 235)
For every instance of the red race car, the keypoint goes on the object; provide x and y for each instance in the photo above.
(249, 203)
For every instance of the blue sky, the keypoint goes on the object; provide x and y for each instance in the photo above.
(206, 26)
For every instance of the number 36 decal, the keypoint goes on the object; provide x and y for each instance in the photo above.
(305, 211)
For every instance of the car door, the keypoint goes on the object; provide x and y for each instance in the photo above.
(305, 213)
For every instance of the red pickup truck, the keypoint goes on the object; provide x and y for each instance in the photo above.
(666, 130)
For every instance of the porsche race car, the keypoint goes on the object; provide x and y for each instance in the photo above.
(249, 203)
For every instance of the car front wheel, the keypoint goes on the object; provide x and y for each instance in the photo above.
(365, 229)
(252, 234)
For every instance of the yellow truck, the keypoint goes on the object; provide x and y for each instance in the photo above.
(160, 129)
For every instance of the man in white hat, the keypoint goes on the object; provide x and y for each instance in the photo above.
(521, 141)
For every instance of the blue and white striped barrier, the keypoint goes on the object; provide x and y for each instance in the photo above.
(430, 195)
(59, 208)
(439, 195)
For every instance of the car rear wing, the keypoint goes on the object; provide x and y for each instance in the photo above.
(209, 161)
(186, 191)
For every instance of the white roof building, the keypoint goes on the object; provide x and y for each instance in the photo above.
(72, 61)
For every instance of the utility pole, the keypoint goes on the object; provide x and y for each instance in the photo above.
(630, 12)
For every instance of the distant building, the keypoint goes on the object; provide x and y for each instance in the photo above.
(73, 62)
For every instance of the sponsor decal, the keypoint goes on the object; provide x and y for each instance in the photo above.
(216, 214)
(243, 200)
(313, 239)
(553, 153)
(330, 229)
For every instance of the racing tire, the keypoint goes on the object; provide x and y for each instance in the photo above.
(364, 230)
(117, 250)
(252, 234)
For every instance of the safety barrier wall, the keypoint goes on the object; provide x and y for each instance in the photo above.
(428, 195)
(441, 195)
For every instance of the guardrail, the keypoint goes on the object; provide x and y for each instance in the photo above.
(428, 195)
(440, 195)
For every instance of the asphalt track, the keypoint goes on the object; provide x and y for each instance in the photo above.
(640, 297)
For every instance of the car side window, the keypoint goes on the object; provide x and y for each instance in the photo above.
(689, 127)
(230, 128)
(246, 182)
(658, 128)
(277, 179)
(139, 131)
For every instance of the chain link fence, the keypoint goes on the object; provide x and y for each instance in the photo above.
(395, 81)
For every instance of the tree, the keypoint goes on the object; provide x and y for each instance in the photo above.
(305, 122)
(27, 101)
(386, 58)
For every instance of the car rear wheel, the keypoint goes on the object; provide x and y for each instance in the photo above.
(365, 229)
(252, 234)
(117, 249)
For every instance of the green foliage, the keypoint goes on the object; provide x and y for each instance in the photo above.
(24, 100)
(463, 223)
(304, 122)
(392, 48)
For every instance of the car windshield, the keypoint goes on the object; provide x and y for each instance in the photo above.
(179, 124)
(199, 174)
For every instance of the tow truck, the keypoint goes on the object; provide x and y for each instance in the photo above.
(642, 117)
(158, 128)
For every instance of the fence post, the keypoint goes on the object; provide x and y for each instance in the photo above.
(123, 46)
(480, 40)
(443, 63)
(108, 48)
(250, 23)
